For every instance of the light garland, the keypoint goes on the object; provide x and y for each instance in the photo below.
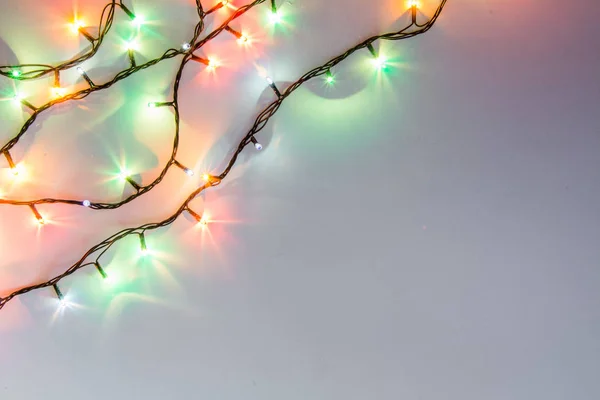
(36, 71)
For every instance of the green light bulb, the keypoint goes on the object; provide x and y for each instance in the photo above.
(15, 73)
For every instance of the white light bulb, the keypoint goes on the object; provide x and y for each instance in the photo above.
(189, 172)
(86, 203)
(80, 70)
(186, 46)
(269, 80)
(258, 146)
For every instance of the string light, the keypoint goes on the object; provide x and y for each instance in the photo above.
(137, 20)
(155, 104)
(272, 85)
(143, 247)
(212, 64)
(85, 76)
(185, 169)
(59, 294)
(218, 6)
(100, 269)
(210, 180)
(257, 145)
(37, 215)
(329, 77)
(20, 100)
(11, 163)
(241, 38)
(414, 5)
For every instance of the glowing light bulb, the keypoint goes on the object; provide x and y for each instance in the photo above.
(76, 26)
(212, 64)
(86, 203)
(15, 73)
(18, 98)
(80, 71)
(132, 45)
(186, 46)
(329, 77)
(204, 221)
(413, 3)
(269, 80)
(124, 174)
(188, 172)
(152, 104)
(58, 91)
(138, 20)
(143, 247)
(379, 62)
(243, 39)
(275, 17)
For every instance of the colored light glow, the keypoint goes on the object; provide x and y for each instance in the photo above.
(124, 174)
(58, 91)
(212, 64)
(18, 98)
(204, 221)
(329, 79)
(275, 17)
(380, 62)
(414, 3)
(15, 73)
(152, 104)
(243, 39)
(132, 45)
(76, 26)
(138, 20)
(18, 170)
(206, 177)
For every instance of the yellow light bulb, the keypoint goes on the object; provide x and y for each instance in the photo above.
(76, 25)
(57, 91)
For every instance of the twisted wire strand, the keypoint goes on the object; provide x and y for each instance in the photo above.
(259, 123)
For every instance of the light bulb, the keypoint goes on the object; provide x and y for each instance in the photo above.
(269, 80)
(15, 73)
(58, 91)
(206, 177)
(379, 62)
(80, 70)
(257, 145)
(243, 39)
(76, 26)
(186, 46)
(138, 20)
(275, 17)
(152, 104)
(188, 172)
(86, 203)
(131, 45)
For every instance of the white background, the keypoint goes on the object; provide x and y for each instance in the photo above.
(430, 232)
